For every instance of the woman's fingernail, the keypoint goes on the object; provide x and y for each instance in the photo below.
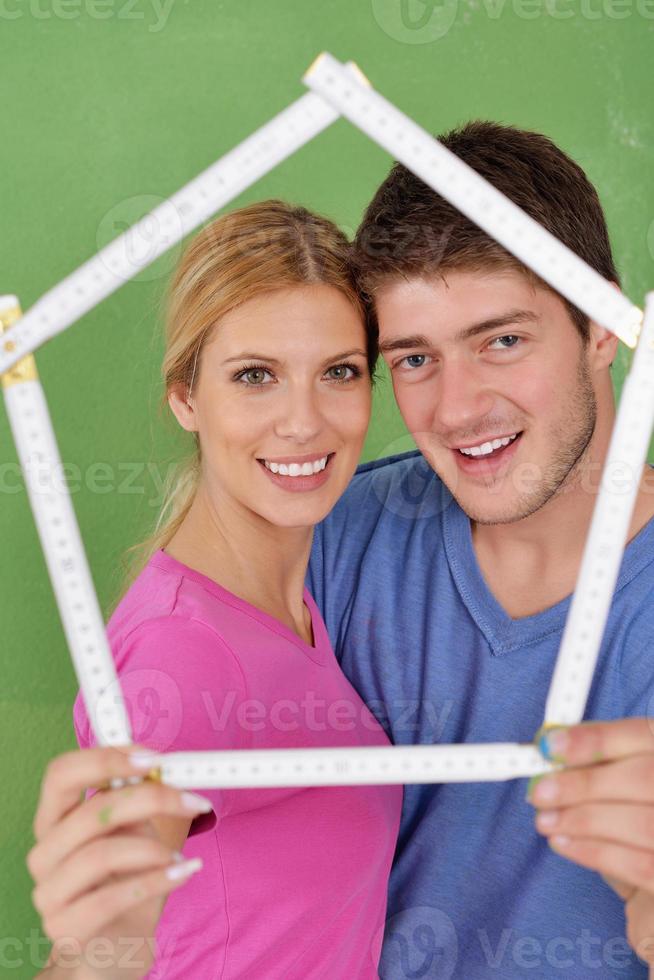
(559, 841)
(547, 819)
(194, 802)
(144, 760)
(554, 743)
(175, 871)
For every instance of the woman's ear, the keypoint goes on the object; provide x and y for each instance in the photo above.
(181, 405)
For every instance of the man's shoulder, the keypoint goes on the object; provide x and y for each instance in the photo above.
(388, 464)
(405, 472)
(403, 486)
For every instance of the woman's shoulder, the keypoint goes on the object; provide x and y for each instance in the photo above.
(152, 596)
(167, 617)
(164, 595)
(166, 641)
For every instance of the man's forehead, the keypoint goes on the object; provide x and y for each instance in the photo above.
(441, 286)
(420, 311)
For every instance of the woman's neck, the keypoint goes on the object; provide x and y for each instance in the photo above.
(257, 561)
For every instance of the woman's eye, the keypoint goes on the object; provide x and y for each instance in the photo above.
(253, 376)
(343, 372)
(508, 336)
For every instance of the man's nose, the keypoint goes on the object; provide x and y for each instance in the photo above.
(299, 418)
(462, 398)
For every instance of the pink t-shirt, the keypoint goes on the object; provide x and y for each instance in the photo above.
(294, 880)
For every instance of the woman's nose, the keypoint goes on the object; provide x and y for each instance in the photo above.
(299, 417)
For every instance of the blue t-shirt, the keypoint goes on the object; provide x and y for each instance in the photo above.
(475, 891)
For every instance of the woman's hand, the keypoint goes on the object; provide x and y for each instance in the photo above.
(101, 870)
(600, 812)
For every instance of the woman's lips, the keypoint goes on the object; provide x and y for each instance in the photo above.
(299, 484)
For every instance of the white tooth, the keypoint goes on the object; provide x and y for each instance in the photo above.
(488, 447)
(283, 469)
(307, 469)
(274, 467)
(318, 465)
(294, 469)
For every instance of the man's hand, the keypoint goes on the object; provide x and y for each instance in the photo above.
(600, 812)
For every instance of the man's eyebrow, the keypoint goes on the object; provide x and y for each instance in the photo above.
(249, 356)
(492, 323)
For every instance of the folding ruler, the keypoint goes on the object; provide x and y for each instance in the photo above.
(336, 90)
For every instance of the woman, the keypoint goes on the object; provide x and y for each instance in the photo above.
(268, 362)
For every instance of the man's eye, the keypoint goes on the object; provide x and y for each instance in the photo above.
(508, 336)
(414, 360)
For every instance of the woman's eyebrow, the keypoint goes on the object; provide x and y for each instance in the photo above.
(249, 356)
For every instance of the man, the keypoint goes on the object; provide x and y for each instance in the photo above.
(445, 576)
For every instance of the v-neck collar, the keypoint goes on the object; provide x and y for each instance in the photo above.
(318, 653)
(503, 633)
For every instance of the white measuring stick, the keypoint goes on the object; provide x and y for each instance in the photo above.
(372, 765)
(167, 224)
(30, 421)
(603, 553)
(62, 545)
(475, 197)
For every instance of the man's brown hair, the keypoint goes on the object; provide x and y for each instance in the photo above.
(409, 230)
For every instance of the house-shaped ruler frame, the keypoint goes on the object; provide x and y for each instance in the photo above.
(336, 90)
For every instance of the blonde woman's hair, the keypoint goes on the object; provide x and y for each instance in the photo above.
(266, 246)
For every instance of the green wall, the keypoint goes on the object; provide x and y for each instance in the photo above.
(110, 106)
